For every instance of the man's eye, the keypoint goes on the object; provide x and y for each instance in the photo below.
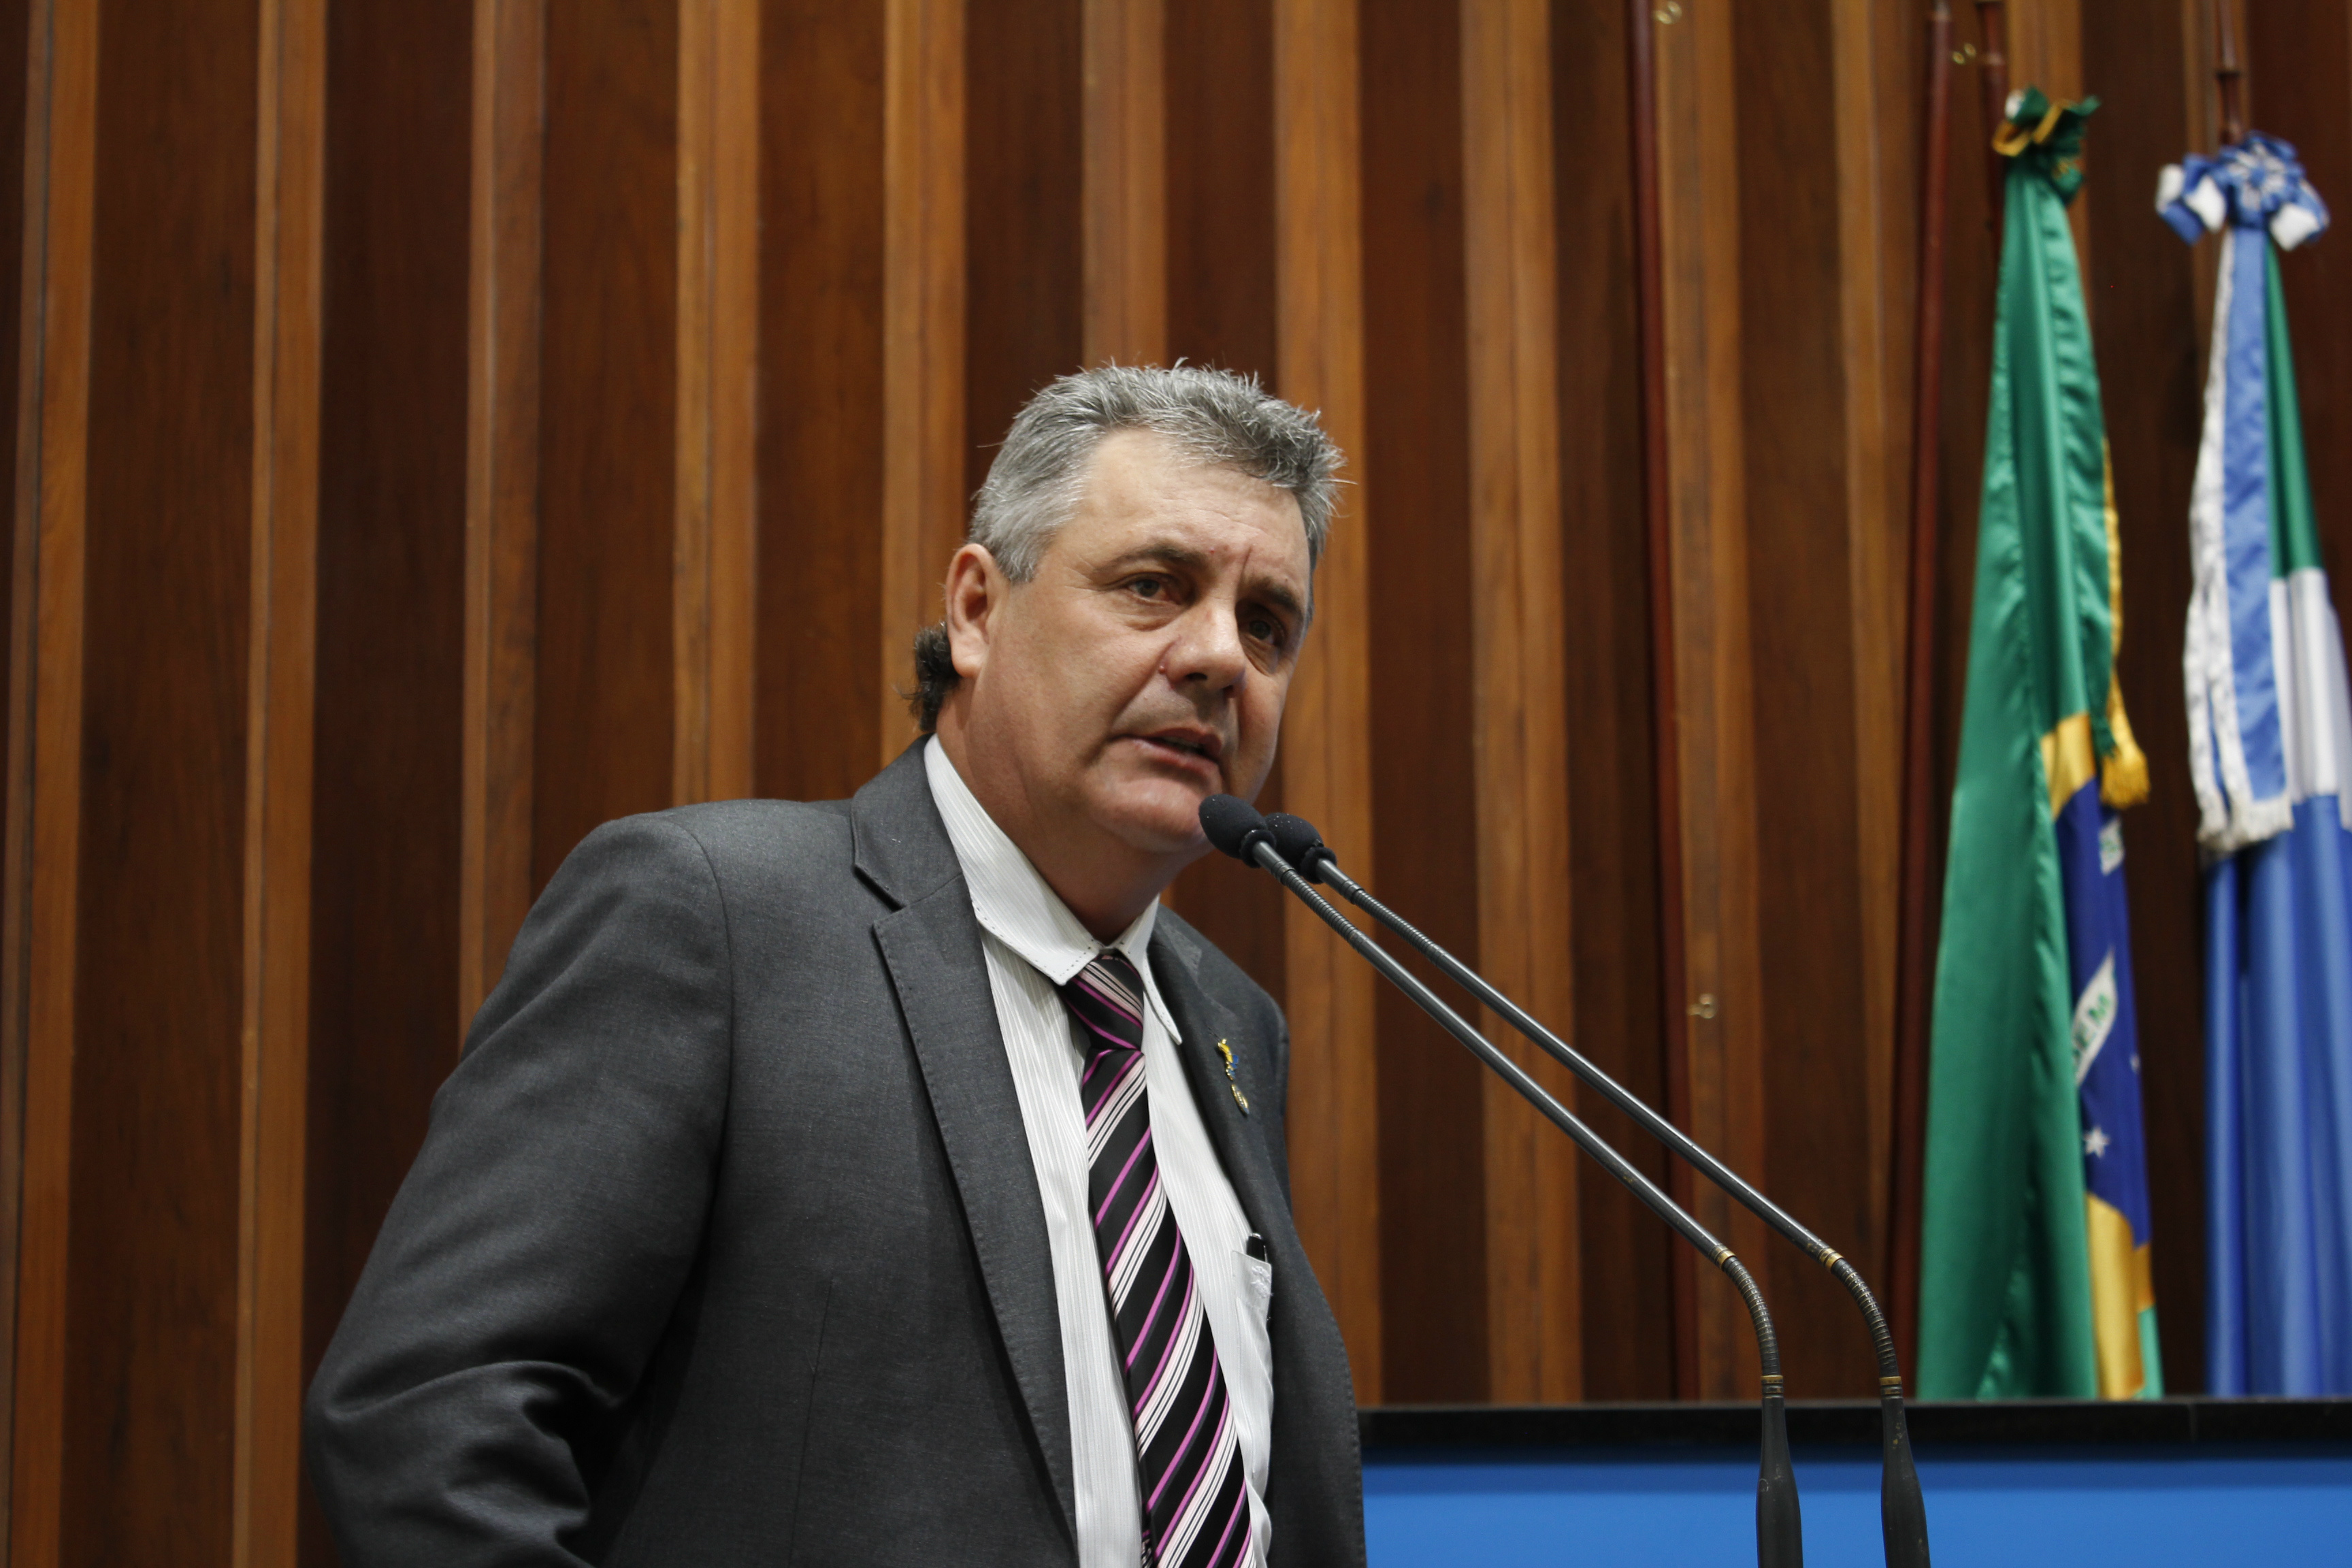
(1267, 630)
(1149, 587)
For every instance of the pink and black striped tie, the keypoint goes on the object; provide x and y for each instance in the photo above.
(1195, 1508)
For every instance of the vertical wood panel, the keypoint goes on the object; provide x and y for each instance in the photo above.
(1025, 145)
(1125, 172)
(713, 526)
(280, 665)
(501, 489)
(1602, 590)
(1422, 597)
(826, 712)
(391, 620)
(1700, 215)
(1874, 52)
(603, 716)
(1519, 744)
(1798, 409)
(1319, 282)
(44, 752)
(153, 1297)
(1222, 166)
(1220, 247)
(18, 355)
(924, 288)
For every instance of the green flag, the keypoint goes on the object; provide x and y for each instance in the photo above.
(2019, 1259)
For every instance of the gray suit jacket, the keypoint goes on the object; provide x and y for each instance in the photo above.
(725, 1246)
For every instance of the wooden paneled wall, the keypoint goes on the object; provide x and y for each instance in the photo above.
(443, 425)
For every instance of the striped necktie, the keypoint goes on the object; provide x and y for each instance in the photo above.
(1195, 1508)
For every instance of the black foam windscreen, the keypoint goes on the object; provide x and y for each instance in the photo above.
(1296, 840)
(1231, 822)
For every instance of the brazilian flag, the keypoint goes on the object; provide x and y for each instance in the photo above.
(2034, 1273)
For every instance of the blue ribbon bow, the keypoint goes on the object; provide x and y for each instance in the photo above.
(2258, 184)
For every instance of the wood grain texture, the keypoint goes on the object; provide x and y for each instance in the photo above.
(692, 583)
(389, 741)
(1519, 737)
(44, 752)
(1025, 139)
(1699, 216)
(924, 462)
(1920, 876)
(501, 491)
(282, 653)
(1602, 593)
(1125, 172)
(1220, 240)
(825, 671)
(18, 435)
(1873, 59)
(713, 528)
(603, 714)
(1222, 165)
(153, 1293)
(1807, 510)
(1328, 992)
(1423, 599)
(734, 404)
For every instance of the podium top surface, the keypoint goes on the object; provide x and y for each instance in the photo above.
(1838, 1423)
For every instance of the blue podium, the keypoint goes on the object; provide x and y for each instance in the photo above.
(2021, 1485)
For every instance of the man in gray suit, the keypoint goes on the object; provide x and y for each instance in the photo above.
(892, 1180)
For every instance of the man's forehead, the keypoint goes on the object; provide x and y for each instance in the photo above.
(1154, 498)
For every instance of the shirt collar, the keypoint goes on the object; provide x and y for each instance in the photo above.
(1014, 904)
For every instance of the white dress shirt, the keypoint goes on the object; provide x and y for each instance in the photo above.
(1035, 945)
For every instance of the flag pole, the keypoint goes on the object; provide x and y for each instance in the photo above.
(1665, 756)
(1915, 954)
(2229, 76)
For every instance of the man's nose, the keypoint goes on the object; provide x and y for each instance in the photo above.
(1208, 650)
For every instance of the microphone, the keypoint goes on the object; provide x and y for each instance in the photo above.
(1236, 828)
(1903, 1513)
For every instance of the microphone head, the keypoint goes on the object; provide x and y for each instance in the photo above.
(1232, 824)
(1296, 840)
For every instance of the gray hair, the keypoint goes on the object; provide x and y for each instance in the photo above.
(1214, 417)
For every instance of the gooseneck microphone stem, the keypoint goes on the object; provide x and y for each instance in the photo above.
(1902, 1511)
(1779, 1542)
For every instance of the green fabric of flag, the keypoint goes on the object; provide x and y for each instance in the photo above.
(2005, 1306)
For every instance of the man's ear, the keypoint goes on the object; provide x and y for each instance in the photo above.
(976, 591)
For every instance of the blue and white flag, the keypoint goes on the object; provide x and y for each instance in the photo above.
(2270, 729)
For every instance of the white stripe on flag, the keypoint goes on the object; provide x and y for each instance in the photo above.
(2205, 654)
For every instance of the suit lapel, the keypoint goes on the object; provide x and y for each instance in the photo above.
(1203, 1021)
(932, 949)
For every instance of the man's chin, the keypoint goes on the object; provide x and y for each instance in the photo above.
(1162, 816)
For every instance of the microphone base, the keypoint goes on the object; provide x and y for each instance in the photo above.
(1779, 1530)
(1902, 1511)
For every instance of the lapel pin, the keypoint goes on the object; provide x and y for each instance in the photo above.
(1232, 1083)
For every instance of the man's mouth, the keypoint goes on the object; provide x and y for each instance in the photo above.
(1191, 746)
